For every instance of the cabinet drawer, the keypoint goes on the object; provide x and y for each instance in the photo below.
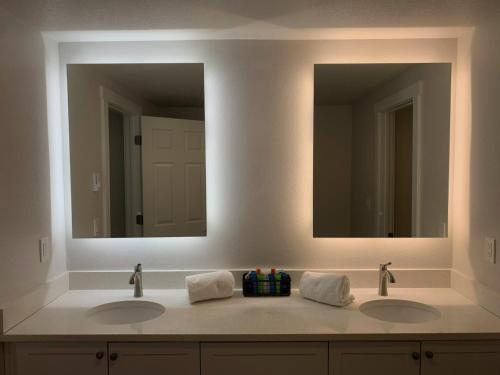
(375, 358)
(270, 358)
(154, 358)
(461, 357)
(58, 358)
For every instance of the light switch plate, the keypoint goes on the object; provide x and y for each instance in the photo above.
(490, 250)
(44, 249)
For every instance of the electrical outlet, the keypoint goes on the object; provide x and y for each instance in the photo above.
(44, 249)
(490, 250)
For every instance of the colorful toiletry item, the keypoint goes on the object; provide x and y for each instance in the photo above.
(272, 283)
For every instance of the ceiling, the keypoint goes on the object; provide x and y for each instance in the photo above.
(50, 15)
(165, 85)
(337, 84)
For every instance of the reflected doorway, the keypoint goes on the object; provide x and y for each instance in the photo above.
(403, 146)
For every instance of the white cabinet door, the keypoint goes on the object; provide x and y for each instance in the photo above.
(375, 358)
(154, 358)
(58, 359)
(173, 169)
(264, 358)
(460, 357)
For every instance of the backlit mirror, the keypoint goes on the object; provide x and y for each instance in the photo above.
(381, 150)
(137, 148)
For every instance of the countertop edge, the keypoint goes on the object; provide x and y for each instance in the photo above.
(471, 336)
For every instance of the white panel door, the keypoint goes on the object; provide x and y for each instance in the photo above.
(173, 168)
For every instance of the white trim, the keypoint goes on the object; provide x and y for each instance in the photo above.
(261, 31)
(134, 180)
(175, 279)
(110, 99)
(384, 127)
(16, 311)
(133, 175)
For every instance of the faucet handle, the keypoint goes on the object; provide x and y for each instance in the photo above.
(137, 269)
(383, 267)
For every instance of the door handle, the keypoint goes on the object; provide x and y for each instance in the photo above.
(113, 356)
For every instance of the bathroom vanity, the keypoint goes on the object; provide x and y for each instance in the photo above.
(319, 357)
(247, 335)
(383, 129)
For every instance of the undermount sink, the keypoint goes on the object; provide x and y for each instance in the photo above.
(399, 311)
(125, 312)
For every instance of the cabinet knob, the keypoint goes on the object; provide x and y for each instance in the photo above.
(99, 355)
(113, 356)
(415, 356)
(429, 354)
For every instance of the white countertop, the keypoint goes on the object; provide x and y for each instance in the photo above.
(240, 318)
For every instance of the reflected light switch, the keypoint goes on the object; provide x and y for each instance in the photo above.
(490, 250)
(97, 226)
(96, 181)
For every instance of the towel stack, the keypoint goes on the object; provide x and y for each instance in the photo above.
(326, 288)
(212, 285)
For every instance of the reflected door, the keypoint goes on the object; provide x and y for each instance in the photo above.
(117, 193)
(403, 148)
(173, 165)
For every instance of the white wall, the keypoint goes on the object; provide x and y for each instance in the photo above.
(250, 216)
(24, 164)
(332, 170)
(477, 172)
(259, 118)
(188, 113)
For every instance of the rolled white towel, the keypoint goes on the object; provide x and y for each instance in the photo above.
(211, 285)
(326, 288)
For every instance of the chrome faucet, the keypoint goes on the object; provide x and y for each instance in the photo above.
(136, 280)
(384, 276)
